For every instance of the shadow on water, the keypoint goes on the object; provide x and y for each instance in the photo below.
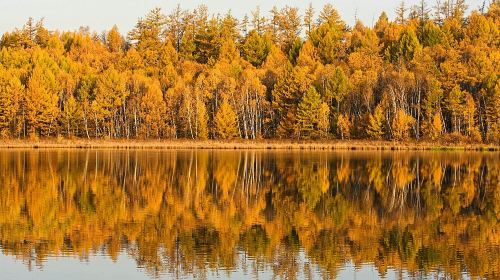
(289, 214)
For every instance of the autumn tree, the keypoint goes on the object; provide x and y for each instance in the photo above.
(286, 26)
(110, 94)
(114, 40)
(255, 106)
(401, 11)
(376, 120)
(401, 125)
(11, 90)
(41, 102)
(454, 104)
(344, 127)
(171, 74)
(434, 126)
(309, 23)
(202, 120)
(324, 119)
(469, 115)
(226, 125)
(70, 116)
(153, 110)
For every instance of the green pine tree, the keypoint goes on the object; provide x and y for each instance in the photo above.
(308, 114)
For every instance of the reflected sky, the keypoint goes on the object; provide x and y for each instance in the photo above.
(101, 267)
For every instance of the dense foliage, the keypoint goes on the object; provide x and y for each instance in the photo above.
(429, 74)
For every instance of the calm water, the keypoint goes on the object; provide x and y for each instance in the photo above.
(101, 214)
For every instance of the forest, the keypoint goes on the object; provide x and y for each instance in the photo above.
(429, 74)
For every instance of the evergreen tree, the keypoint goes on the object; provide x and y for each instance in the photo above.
(431, 35)
(148, 36)
(493, 114)
(207, 42)
(308, 115)
(328, 36)
(336, 88)
(408, 45)
(255, 48)
(287, 94)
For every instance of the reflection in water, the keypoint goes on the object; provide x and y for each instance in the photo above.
(288, 213)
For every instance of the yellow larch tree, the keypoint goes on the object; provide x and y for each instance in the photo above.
(226, 123)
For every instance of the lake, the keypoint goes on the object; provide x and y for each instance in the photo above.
(162, 214)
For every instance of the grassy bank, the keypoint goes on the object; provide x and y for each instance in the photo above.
(242, 144)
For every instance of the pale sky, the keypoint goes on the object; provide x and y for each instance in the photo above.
(101, 15)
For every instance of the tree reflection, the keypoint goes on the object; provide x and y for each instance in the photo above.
(195, 212)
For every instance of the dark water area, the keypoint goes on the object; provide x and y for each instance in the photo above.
(151, 214)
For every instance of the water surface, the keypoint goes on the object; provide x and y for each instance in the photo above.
(148, 214)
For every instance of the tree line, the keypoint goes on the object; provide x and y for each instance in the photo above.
(429, 74)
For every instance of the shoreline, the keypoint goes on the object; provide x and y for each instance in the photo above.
(241, 145)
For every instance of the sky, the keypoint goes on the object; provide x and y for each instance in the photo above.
(101, 15)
